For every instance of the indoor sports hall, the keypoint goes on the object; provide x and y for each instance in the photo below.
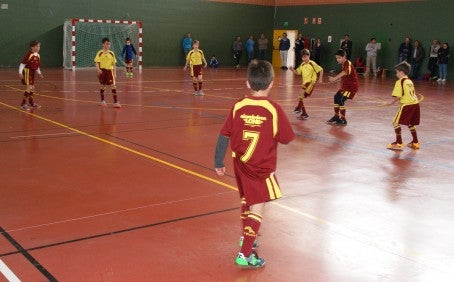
(93, 193)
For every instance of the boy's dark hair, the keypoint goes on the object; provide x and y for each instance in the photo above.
(341, 53)
(104, 40)
(34, 43)
(260, 74)
(305, 52)
(128, 39)
(403, 67)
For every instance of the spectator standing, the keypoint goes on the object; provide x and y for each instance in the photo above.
(371, 59)
(263, 46)
(318, 51)
(187, 44)
(284, 46)
(237, 47)
(405, 49)
(443, 57)
(433, 59)
(347, 46)
(250, 43)
(416, 59)
(299, 46)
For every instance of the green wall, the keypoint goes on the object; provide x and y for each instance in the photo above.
(388, 22)
(165, 22)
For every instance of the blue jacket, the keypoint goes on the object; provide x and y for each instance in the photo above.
(128, 50)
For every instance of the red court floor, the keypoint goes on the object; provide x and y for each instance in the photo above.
(104, 194)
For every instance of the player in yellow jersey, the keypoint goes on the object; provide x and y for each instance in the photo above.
(194, 60)
(105, 65)
(309, 71)
(408, 113)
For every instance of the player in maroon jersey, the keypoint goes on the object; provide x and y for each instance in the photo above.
(254, 126)
(348, 89)
(30, 65)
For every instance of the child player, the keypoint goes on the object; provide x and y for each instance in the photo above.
(308, 71)
(105, 65)
(254, 126)
(348, 89)
(128, 54)
(408, 113)
(194, 60)
(30, 65)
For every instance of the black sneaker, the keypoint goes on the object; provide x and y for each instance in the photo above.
(303, 116)
(341, 122)
(297, 111)
(333, 120)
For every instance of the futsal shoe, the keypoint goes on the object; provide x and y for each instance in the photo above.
(341, 121)
(333, 120)
(24, 107)
(103, 103)
(254, 246)
(395, 146)
(253, 261)
(414, 145)
(303, 116)
(296, 111)
(35, 106)
(117, 105)
(199, 93)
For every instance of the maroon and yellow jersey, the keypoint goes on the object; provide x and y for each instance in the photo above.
(349, 82)
(255, 126)
(31, 61)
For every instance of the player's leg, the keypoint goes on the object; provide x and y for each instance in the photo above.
(337, 98)
(414, 144)
(200, 82)
(397, 145)
(342, 110)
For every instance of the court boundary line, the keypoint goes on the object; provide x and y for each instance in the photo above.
(27, 255)
(8, 273)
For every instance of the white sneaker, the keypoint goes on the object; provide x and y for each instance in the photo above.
(200, 93)
(103, 103)
(117, 105)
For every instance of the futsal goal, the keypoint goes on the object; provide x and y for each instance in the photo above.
(82, 39)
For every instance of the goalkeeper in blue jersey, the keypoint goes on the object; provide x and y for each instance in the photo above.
(127, 54)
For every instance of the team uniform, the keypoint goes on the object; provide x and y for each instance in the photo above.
(348, 90)
(32, 64)
(308, 71)
(408, 113)
(128, 54)
(255, 127)
(195, 59)
(107, 61)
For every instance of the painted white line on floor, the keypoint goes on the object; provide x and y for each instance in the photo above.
(4, 269)
(42, 135)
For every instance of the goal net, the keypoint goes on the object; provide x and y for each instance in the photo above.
(82, 39)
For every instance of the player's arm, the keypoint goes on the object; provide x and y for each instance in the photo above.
(38, 71)
(21, 69)
(219, 154)
(337, 77)
(320, 76)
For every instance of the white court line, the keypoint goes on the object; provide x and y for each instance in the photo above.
(42, 135)
(4, 269)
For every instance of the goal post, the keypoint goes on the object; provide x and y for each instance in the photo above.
(82, 39)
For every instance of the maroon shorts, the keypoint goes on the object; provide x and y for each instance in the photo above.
(408, 115)
(29, 77)
(256, 190)
(196, 70)
(128, 61)
(308, 88)
(106, 77)
(348, 94)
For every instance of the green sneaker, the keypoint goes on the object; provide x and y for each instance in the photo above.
(255, 245)
(253, 261)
